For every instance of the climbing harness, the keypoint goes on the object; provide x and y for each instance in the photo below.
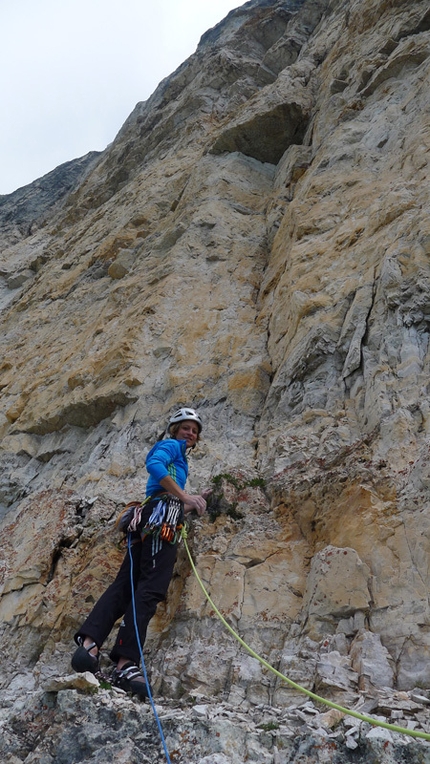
(142, 660)
(309, 693)
(165, 522)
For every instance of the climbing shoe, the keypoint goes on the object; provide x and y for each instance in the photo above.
(130, 679)
(82, 660)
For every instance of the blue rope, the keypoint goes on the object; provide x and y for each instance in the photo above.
(151, 700)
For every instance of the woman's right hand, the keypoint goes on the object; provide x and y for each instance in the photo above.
(190, 501)
(194, 502)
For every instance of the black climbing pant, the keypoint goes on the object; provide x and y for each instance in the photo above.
(153, 563)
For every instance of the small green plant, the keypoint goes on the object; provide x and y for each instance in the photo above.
(269, 726)
(217, 480)
(257, 483)
(105, 685)
(233, 512)
(217, 504)
(236, 483)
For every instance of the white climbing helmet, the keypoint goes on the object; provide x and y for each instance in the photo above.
(182, 414)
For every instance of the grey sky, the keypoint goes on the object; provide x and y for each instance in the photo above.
(71, 71)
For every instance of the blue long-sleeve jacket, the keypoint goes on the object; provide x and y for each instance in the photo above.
(167, 457)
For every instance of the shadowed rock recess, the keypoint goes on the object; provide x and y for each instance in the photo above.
(255, 242)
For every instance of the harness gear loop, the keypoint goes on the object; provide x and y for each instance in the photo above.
(130, 517)
(165, 522)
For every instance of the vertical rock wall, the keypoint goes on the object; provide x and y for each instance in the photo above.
(254, 242)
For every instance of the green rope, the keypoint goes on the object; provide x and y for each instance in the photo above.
(348, 712)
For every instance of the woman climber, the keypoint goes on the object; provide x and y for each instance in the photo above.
(153, 531)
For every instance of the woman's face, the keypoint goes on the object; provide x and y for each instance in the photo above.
(189, 431)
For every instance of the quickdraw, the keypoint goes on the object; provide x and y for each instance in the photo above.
(165, 522)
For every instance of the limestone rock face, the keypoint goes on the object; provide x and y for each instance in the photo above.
(255, 243)
(27, 208)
